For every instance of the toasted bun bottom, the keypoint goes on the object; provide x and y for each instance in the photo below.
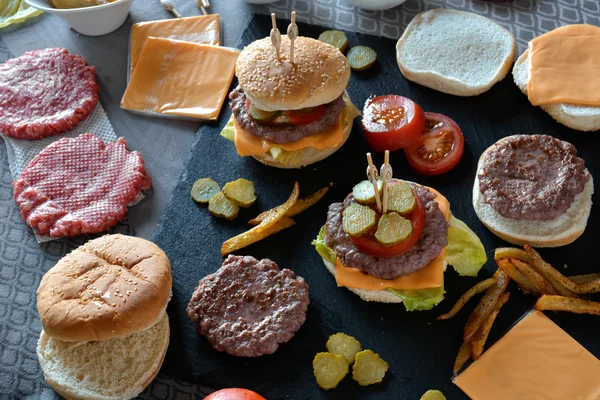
(560, 231)
(310, 155)
(117, 368)
(581, 118)
(381, 296)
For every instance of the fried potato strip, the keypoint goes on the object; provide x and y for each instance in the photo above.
(464, 354)
(506, 264)
(478, 288)
(541, 285)
(480, 337)
(584, 278)
(512, 252)
(562, 303)
(266, 228)
(300, 206)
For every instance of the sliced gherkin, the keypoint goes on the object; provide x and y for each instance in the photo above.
(204, 189)
(364, 193)
(368, 368)
(241, 191)
(433, 395)
(337, 39)
(329, 369)
(220, 206)
(393, 229)
(361, 58)
(401, 198)
(358, 219)
(261, 115)
(344, 345)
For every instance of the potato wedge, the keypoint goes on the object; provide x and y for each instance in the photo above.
(506, 264)
(584, 278)
(301, 205)
(480, 337)
(558, 279)
(266, 228)
(569, 304)
(512, 252)
(464, 354)
(541, 285)
(486, 304)
(478, 288)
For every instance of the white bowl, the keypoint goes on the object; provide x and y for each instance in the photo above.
(373, 4)
(91, 21)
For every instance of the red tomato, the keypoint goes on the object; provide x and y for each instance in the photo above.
(439, 148)
(234, 394)
(391, 122)
(299, 117)
(369, 245)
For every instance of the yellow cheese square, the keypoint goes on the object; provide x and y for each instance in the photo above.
(535, 360)
(180, 79)
(204, 29)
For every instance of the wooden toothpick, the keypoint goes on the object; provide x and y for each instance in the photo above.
(292, 32)
(275, 35)
(386, 177)
(168, 5)
(373, 176)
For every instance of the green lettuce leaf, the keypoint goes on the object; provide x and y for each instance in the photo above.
(420, 300)
(322, 248)
(285, 157)
(464, 252)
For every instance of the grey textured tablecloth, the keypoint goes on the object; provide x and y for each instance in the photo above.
(165, 143)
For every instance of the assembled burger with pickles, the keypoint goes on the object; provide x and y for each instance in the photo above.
(290, 114)
(399, 253)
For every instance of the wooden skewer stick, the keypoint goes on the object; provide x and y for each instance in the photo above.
(202, 5)
(292, 32)
(386, 176)
(373, 176)
(275, 35)
(168, 5)
(206, 3)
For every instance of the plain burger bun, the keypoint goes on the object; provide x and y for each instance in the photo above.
(455, 52)
(381, 296)
(107, 370)
(560, 231)
(111, 286)
(319, 74)
(309, 155)
(581, 118)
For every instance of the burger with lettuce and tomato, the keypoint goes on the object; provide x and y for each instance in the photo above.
(290, 114)
(398, 256)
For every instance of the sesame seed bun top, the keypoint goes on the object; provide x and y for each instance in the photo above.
(318, 75)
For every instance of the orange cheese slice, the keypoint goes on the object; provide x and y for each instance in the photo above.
(564, 66)
(534, 360)
(180, 79)
(430, 276)
(247, 144)
(203, 29)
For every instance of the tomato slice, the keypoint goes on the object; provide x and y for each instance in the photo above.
(304, 117)
(369, 245)
(391, 122)
(439, 148)
(234, 394)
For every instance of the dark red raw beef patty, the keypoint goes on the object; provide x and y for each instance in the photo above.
(45, 92)
(80, 185)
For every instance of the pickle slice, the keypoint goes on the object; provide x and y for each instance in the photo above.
(220, 206)
(433, 395)
(364, 193)
(358, 219)
(337, 39)
(393, 229)
(241, 191)
(368, 368)
(344, 345)
(204, 189)
(361, 58)
(261, 115)
(401, 198)
(329, 369)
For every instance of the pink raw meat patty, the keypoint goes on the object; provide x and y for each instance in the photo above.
(80, 185)
(45, 92)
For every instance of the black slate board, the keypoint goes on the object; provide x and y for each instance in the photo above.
(420, 350)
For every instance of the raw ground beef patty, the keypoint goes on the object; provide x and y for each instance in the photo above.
(45, 92)
(80, 185)
(248, 307)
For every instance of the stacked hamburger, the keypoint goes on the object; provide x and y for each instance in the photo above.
(105, 330)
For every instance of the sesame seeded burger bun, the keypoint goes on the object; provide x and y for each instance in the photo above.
(112, 286)
(319, 74)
